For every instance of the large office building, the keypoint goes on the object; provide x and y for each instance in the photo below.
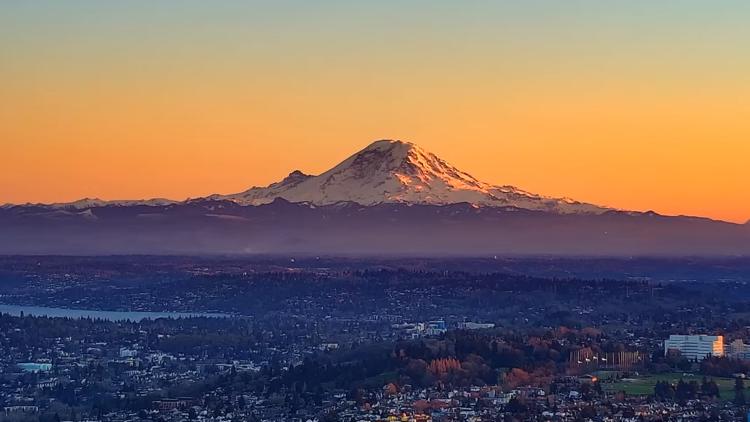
(738, 350)
(695, 347)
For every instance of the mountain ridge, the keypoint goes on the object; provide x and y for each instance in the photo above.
(385, 171)
(394, 171)
(391, 197)
(283, 227)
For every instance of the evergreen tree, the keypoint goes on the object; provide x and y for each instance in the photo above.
(739, 392)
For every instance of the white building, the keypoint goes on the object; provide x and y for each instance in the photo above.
(128, 353)
(435, 328)
(475, 325)
(432, 328)
(695, 347)
(738, 350)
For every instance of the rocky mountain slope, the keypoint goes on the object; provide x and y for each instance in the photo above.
(390, 171)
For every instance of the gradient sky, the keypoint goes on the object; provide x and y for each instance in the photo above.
(635, 104)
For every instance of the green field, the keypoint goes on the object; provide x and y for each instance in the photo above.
(644, 385)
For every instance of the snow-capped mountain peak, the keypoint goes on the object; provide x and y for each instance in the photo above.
(408, 162)
(392, 171)
(386, 171)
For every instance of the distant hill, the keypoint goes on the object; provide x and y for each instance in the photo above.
(391, 198)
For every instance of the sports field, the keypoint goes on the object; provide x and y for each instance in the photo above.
(644, 385)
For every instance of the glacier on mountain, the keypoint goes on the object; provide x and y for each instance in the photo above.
(391, 171)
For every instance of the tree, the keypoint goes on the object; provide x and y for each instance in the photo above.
(515, 406)
(588, 412)
(686, 390)
(709, 388)
(330, 417)
(663, 390)
(739, 391)
(517, 377)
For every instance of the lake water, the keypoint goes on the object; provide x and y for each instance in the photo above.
(16, 310)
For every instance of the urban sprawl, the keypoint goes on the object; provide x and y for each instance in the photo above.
(135, 339)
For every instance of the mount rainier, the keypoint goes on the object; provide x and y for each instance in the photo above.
(392, 197)
(390, 171)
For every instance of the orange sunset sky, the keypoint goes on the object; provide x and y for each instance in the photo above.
(637, 105)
